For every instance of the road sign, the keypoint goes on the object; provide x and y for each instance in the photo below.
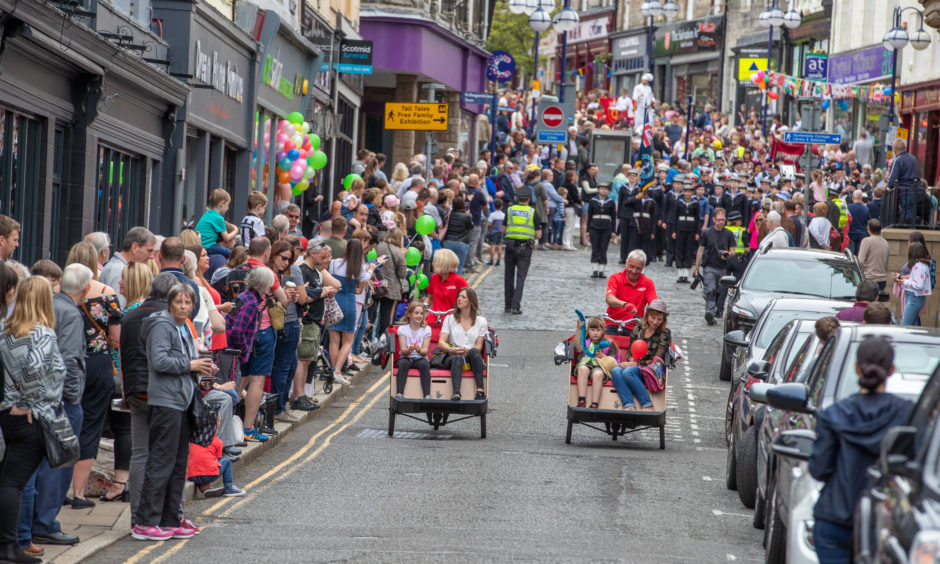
(747, 66)
(811, 138)
(552, 116)
(423, 117)
(478, 98)
(544, 136)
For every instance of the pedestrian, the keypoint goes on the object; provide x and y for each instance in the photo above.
(520, 232)
(602, 213)
(102, 243)
(213, 232)
(573, 204)
(456, 232)
(819, 227)
(671, 199)
(475, 202)
(873, 254)
(138, 246)
(717, 247)
(318, 285)
(905, 178)
(874, 206)
(33, 388)
(494, 234)
(353, 274)
(646, 220)
(916, 284)
(777, 237)
(9, 237)
(849, 435)
(172, 253)
(252, 225)
(864, 149)
(287, 337)
(858, 229)
(688, 225)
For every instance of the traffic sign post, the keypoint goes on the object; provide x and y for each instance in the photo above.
(812, 138)
(552, 116)
(416, 116)
(553, 137)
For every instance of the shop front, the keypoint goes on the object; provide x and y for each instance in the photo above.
(688, 60)
(807, 57)
(864, 67)
(920, 115)
(629, 51)
(213, 132)
(588, 51)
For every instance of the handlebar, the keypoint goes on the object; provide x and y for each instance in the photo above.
(617, 322)
(439, 314)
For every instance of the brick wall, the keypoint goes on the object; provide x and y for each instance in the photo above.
(897, 256)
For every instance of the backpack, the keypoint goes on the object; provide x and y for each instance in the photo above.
(233, 284)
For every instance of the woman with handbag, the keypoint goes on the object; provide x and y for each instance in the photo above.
(101, 314)
(462, 339)
(288, 338)
(33, 374)
(171, 350)
(393, 271)
(627, 377)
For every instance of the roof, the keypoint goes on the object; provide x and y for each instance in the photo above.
(794, 253)
(808, 304)
(901, 333)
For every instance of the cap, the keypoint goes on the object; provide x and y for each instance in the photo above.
(784, 195)
(764, 179)
(524, 193)
(734, 176)
(409, 205)
(799, 175)
(718, 183)
(734, 216)
(632, 170)
(662, 167)
(657, 305)
(391, 201)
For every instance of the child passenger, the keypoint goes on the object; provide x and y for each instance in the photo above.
(626, 376)
(414, 340)
(588, 366)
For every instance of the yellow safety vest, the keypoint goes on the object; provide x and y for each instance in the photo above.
(738, 232)
(843, 211)
(520, 223)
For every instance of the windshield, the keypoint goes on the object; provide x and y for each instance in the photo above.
(776, 319)
(834, 279)
(913, 365)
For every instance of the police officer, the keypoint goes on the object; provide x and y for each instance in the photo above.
(520, 230)
(714, 253)
(838, 212)
(688, 225)
(738, 261)
(601, 214)
(628, 202)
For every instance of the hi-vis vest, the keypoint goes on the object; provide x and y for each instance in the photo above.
(738, 232)
(843, 211)
(520, 222)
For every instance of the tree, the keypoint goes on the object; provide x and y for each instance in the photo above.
(511, 33)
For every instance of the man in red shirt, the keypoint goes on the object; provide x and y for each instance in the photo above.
(629, 291)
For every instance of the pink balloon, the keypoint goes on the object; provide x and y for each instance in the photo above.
(760, 75)
(297, 172)
(283, 138)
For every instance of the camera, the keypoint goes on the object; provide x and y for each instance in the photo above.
(699, 279)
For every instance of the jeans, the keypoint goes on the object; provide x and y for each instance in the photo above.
(460, 249)
(285, 363)
(218, 249)
(140, 437)
(629, 383)
(832, 542)
(361, 323)
(223, 400)
(912, 306)
(225, 470)
(46, 490)
(710, 276)
(558, 229)
(24, 453)
(456, 362)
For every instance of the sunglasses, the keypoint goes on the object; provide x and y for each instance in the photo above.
(284, 257)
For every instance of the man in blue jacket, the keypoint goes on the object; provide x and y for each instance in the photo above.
(905, 178)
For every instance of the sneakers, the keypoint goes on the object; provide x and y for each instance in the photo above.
(285, 417)
(429, 397)
(184, 533)
(709, 318)
(479, 395)
(189, 525)
(254, 435)
(213, 492)
(399, 397)
(340, 379)
(455, 397)
(151, 533)
(304, 403)
(489, 263)
(234, 491)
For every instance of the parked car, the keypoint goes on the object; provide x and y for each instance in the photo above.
(772, 337)
(787, 512)
(898, 518)
(784, 273)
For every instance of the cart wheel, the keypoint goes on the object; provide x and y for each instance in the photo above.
(662, 438)
(483, 426)
(328, 387)
(568, 435)
(391, 423)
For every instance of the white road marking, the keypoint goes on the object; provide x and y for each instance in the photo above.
(719, 513)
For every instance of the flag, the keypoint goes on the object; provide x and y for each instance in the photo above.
(647, 138)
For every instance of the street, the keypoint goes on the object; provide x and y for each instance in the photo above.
(340, 490)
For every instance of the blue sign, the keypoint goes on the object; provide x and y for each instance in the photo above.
(500, 67)
(551, 136)
(816, 66)
(809, 138)
(347, 68)
(478, 98)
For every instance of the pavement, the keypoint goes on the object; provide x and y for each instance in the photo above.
(337, 488)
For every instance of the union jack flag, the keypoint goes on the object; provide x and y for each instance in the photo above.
(647, 136)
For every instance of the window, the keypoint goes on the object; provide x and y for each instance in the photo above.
(913, 364)
(20, 167)
(119, 202)
(58, 150)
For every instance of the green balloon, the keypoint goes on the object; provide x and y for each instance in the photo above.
(314, 140)
(372, 255)
(422, 281)
(319, 160)
(296, 190)
(350, 178)
(295, 118)
(425, 225)
(411, 279)
(413, 256)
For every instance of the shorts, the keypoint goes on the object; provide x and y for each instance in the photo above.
(309, 347)
(262, 354)
(494, 238)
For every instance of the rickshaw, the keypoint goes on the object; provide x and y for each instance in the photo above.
(441, 410)
(610, 417)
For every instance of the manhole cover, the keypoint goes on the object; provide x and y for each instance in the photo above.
(383, 433)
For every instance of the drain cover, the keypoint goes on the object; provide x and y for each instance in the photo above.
(383, 433)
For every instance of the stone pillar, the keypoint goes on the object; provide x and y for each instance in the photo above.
(451, 137)
(403, 145)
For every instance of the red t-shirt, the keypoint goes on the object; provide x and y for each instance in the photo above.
(218, 339)
(255, 263)
(444, 293)
(639, 294)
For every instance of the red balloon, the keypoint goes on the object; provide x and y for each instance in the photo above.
(288, 145)
(772, 95)
(638, 349)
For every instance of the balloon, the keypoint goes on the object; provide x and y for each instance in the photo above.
(825, 104)
(305, 127)
(887, 91)
(296, 118)
(411, 279)
(422, 281)
(760, 75)
(280, 155)
(296, 190)
(425, 225)
(285, 164)
(638, 349)
(372, 255)
(315, 140)
(753, 77)
(310, 172)
(350, 178)
(762, 85)
(319, 160)
(283, 176)
(297, 139)
(772, 95)
(413, 256)
(289, 145)
(296, 173)
(293, 154)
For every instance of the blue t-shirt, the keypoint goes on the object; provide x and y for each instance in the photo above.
(211, 225)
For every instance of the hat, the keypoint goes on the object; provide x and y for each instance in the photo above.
(799, 175)
(524, 193)
(607, 363)
(784, 195)
(391, 201)
(409, 205)
(632, 170)
(765, 179)
(688, 185)
(734, 216)
(657, 305)
(647, 77)
(734, 176)
(718, 183)
(662, 167)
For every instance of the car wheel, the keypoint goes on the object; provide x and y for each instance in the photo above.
(724, 370)
(729, 416)
(746, 468)
(775, 534)
(731, 480)
(759, 505)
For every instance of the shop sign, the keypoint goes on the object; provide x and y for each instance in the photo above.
(689, 37)
(927, 98)
(314, 28)
(273, 77)
(865, 65)
(589, 30)
(223, 76)
(355, 56)
(629, 47)
(816, 66)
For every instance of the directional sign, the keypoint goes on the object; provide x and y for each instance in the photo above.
(554, 137)
(478, 98)
(552, 116)
(747, 66)
(809, 138)
(424, 117)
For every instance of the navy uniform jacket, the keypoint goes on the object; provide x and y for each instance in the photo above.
(685, 216)
(628, 201)
(648, 215)
(597, 208)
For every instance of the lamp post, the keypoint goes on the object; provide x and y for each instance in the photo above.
(653, 9)
(565, 20)
(895, 40)
(770, 18)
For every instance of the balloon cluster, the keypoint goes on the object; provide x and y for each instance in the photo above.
(298, 154)
(759, 78)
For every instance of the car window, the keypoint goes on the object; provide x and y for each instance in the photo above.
(776, 319)
(775, 346)
(795, 347)
(928, 406)
(804, 361)
(913, 363)
(817, 378)
(834, 279)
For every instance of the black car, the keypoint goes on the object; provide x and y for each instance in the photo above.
(833, 377)
(898, 519)
(777, 273)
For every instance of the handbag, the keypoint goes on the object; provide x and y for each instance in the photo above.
(654, 375)
(332, 313)
(58, 438)
(897, 289)
(439, 359)
(203, 420)
(276, 313)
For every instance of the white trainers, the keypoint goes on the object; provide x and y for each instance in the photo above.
(340, 379)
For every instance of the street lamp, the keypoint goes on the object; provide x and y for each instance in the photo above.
(517, 6)
(654, 9)
(770, 18)
(895, 40)
(539, 21)
(566, 20)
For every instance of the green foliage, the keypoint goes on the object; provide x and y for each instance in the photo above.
(511, 33)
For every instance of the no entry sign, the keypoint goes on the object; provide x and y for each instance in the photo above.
(552, 116)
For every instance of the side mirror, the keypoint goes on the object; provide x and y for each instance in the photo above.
(736, 338)
(758, 392)
(897, 452)
(795, 443)
(728, 282)
(790, 397)
(759, 369)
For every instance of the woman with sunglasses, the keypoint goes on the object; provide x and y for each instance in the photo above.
(285, 350)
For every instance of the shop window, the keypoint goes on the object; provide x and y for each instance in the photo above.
(228, 176)
(20, 167)
(58, 157)
(119, 202)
